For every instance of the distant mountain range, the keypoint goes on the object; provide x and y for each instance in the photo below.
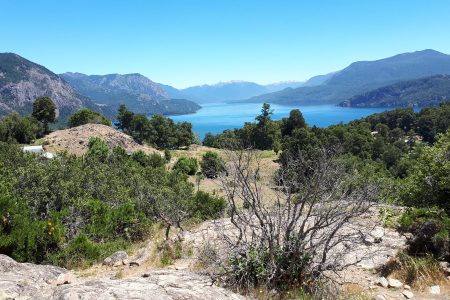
(361, 77)
(408, 79)
(227, 91)
(22, 81)
(428, 91)
(138, 92)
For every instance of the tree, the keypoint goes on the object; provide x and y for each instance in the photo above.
(265, 115)
(428, 183)
(140, 128)
(209, 140)
(262, 135)
(86, 116)
(165, 135)
(174, 204)
(294, 121)
(212, 165)
(185, 136)
(124, 119)
(44, 110)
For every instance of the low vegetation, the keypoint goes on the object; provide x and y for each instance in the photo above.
(186, 165)
(212, 165)
(73, 211)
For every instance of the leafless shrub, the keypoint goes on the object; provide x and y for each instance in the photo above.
(297, 234)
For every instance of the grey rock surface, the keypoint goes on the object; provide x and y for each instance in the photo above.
(394, 283)
(30, 281)
(116, 258)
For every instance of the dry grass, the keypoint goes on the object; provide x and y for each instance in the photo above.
(418, 272)
(267, 163)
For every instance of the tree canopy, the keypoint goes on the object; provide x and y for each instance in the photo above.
(44, 110)
(86, 116)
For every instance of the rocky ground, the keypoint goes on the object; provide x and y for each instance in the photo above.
(137, 277)
(75, 140)
(29, 281)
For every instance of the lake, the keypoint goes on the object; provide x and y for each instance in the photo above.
(216, 117)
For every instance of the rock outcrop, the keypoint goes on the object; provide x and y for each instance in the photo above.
(30, 281)
(22, 81)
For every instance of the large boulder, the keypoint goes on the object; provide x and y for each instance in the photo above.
(116, 259)
(26, 280)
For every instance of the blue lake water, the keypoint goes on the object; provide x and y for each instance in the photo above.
(216, 117)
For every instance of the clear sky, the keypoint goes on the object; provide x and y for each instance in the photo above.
(189, 42)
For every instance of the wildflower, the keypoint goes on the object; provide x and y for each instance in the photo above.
(53, 228)
(49, 224)
(49, 233)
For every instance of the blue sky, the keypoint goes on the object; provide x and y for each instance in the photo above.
(189, 42)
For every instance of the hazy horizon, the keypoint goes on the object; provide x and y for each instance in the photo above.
(187, 43)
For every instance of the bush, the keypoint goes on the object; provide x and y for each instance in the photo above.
(86, 116)
(153, 160)
(98, 148)
(207, 206)
(428, 180)
(430, 228)
(82, 252)
(105, 196)
(257, 266)
(212, 165)
(106, 224)
(22, 237)
(14, 128)
(167, 155)
(186, 165)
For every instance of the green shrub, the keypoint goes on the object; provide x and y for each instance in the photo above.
(207, 206)
(86, 116)
(186, 165)
(105, 196)
(430, 228)
(428, 180)
(82, 252)
(153, 160)
(169, 251)
(167, 155)
(255, 267)
(24, 238)
(98, 148)
(108, 224)
(23, 130)
(212, 165)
